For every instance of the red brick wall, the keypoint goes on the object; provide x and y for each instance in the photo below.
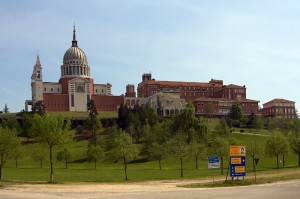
(56, 102)
(107, 103)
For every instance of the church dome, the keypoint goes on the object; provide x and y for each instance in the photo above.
(75, 62)
(75, 54)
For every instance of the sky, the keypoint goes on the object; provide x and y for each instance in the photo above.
(255, 43)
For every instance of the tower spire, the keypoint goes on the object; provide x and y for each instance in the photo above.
(38, 63)
(74, 41)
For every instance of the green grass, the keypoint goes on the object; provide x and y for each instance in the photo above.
(80, 170)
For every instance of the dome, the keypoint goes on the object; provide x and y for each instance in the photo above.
(75, 54)
(75, 62)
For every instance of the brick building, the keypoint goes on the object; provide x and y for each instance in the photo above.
(214, 93)
(280, 108)
(75, 86)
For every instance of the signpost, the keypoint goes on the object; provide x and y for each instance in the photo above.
(237, 161)
(213, 163)
(255, 165)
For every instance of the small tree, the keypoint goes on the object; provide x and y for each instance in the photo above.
(95, 153)
(295, 145)
(124, 150)
(52, 130)
(196, 151)
(64, 156)
(276, 145)
(39, 154)
(5, 109)
(158, 151)
(254, 150)
(179, 149)
(16, 156)
(9, 144)
(39, 108)
(220, 148)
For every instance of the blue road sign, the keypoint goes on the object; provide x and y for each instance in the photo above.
(237, 166)
(213, 162)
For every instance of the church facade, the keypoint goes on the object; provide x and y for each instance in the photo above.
(75, 86)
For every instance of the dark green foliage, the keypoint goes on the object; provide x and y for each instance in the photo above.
(236, 116)
(5, 109)
(11, 123)
(39, 108)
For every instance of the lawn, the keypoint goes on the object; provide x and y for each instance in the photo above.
(80, 170)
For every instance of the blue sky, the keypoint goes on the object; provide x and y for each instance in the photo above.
(254, 43)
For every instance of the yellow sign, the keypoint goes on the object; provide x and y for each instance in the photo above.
(237, 150)
(236, 160)
(239, 169)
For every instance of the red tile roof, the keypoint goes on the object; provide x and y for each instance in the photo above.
(279, 100)
(178, 83)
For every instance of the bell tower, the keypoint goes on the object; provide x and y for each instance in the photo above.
(37, 81)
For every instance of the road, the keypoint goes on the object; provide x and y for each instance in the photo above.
(152, 190)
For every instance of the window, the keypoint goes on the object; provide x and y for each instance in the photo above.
(51, 89)
(72, 100)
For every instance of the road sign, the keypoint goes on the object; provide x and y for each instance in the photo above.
(256, 161)
(237, 151)
(213, 162)
(237, 166)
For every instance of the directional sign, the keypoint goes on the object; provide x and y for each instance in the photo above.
(237, 151)
(213, 162)
(237, 166)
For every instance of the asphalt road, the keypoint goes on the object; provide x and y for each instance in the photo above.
(279, 190)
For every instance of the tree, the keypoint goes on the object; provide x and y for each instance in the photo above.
(16, 156)
(294, 141)
(196, 151)
(52, 130)
(209, 109)
(276, 145)
(11, 123)
(64, 156)
(94, 122)
(158, 151)
(253, 151)
(9, 144)
(220, 148)
(221, 129)
(235, 115)
(124, 150)
(179, 149)
(5, 109)
(123, 112)
(39, 108)
(95, 153)
(39, 154)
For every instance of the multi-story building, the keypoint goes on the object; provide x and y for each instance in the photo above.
(75, 86)
(280, 108)
(220, 107)
(212, 96)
